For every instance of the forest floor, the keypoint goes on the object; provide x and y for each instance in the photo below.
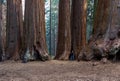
(59, 71)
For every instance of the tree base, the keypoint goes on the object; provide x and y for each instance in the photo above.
(100, 49)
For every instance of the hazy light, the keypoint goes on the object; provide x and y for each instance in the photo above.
(23, 6)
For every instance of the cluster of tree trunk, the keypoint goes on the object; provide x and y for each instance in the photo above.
(25, 36)
(104, 41)
(72, 28)
(25, 39)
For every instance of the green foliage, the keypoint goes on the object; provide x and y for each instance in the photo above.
(90, 16)
(51, 24)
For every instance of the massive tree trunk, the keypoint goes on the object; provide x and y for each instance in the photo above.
(1, 45)
(79, 13)
(34, 29)
(64, 32)
(14, 27)
(106, 26)
(101, 19)
(105, 40)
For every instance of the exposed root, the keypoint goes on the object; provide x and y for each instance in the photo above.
(100, 50)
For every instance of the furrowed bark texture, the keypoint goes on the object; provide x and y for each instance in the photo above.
(1, 45)
(14, 28)
(105, 40)
(64, 31)
(79, 11)
(34, 29)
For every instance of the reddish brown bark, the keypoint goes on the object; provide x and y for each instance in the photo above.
(1, 46)
(106, 31)
(79, 11)
(34, 29)
(28, 27)
(40, 38)
(101, 17)
(14, 26)
(64, 31)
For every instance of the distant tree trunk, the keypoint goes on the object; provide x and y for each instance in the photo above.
(79, 13)
(34, 28)
(64, 32)
(1, 45)
(14, 27)
(105, 39)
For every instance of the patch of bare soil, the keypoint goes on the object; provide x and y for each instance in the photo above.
(59, 71)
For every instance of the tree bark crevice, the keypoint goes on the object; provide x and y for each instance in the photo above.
(34, 29)
(64, 31)
(105, 39)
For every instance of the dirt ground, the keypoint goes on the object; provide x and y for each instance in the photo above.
(59, 71)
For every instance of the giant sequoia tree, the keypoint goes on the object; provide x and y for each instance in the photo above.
(1, 46)
(101, 19)
(105, 39)
(78, 27)
(34, 29)
(64, 31)
(108, 27)
(14, 27)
